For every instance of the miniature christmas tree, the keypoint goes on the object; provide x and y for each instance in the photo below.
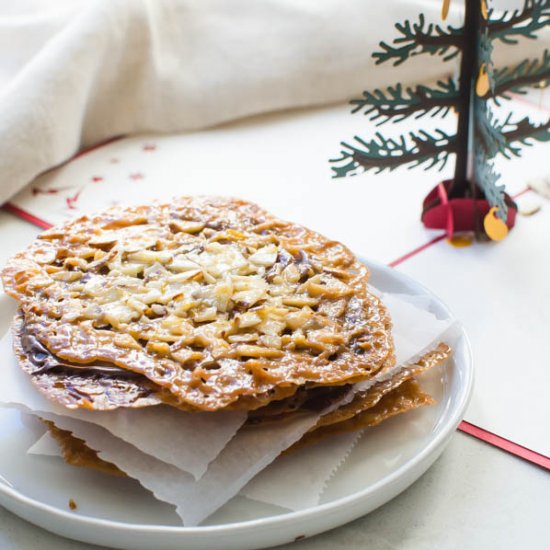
(479, 86)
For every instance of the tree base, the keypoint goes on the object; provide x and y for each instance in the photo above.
(460, 214)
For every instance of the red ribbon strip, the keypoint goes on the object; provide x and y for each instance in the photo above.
(24, 215)
(416, 251)
(505, 444)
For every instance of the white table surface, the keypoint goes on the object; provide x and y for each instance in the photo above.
(475, 496)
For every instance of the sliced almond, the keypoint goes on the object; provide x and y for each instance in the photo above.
(158, 347)
(300, 300)
(207, 314)
(257, 351)
(185, 226)
(265, 256)
(249, 319)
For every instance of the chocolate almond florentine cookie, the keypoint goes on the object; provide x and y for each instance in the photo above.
(212, 300)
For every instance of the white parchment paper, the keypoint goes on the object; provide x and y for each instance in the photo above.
(45, 446)
(249, 452)
(323, 460)
(296, 480)
(253, 448)
(189, 441)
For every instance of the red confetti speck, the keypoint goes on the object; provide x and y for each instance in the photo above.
(97, 179)
(149, 147)
(71, 201)
(136, 176)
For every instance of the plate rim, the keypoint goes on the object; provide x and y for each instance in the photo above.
(435, 444)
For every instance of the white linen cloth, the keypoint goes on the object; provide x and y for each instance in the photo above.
(75, 73)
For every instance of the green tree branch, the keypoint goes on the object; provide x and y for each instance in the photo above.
(380, 153)
(534, 16)
(487, 179)
(488, 132)
(523, 132)
(420, 38)
(524, 75)
(397, 103)
(505, 137)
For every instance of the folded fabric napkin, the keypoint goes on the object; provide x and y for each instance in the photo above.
(76, 73)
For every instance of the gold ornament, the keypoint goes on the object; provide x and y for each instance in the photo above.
(445, 9)
(482, 83)
(484, 11)
(495, 228)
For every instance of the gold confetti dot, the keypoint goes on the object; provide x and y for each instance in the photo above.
(461, 240)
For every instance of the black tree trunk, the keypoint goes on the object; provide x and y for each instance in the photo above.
(461, 185)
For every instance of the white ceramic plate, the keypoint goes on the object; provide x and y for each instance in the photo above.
(119, 513)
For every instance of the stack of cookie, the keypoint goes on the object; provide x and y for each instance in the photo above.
(207, 304)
